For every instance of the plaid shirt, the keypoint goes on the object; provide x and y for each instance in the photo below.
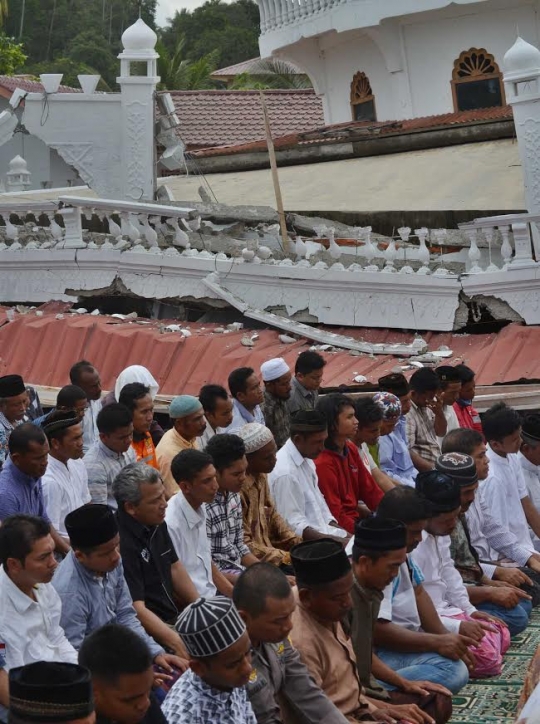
(265, 532)
(225, 530)
(421, 433)
(277, 418)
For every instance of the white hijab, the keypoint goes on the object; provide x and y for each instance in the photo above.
(135, 373)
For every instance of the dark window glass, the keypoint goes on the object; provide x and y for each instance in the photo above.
(479, 94)
(365, 111)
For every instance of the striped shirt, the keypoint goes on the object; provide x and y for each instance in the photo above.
(421, 433)
(102, 466)
(225, 528)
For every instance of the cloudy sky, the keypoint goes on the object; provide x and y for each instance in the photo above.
(167, 8)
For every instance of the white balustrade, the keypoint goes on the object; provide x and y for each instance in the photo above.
(423, 252)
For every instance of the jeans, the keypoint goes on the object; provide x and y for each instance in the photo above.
(517, 618)
(426, 667)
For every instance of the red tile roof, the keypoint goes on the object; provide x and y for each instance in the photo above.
(43, 348)
(214, 118)
(8, 83)
(364, 130)
(253, 67)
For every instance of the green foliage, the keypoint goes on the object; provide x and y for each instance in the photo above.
(271, 73)
(70, 70)
(12, 56)
(229, 29)
(4, 11)
(178, 72)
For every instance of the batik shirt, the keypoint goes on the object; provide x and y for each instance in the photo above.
(192, 701)
(277, 418)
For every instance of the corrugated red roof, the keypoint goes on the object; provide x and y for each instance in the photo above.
(43, 348)
(8, 83)
(364, 130)
(215, 118)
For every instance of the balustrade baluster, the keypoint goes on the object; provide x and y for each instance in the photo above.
(506, 248)
(474, 252)
(523, 256)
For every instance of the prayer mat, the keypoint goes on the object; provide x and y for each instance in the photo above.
(495, 700)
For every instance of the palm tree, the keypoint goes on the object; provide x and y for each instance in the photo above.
(272, 73)
(179, 73)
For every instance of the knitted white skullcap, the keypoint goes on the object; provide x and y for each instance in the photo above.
(274, 368)
(255, 436)
(209, 625)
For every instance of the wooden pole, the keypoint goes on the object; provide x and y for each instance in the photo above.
(275, 177)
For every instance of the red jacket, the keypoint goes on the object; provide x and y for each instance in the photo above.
(344, 480)
(468, 417)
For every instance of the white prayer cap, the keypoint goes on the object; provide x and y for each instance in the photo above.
(255, 436)
(274, 368)
(210, 625)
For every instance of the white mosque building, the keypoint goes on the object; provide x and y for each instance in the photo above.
(397, 59)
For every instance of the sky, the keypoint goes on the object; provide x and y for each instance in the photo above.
(167, 8)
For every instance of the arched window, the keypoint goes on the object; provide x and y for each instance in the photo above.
(362, 99)
(477, 81)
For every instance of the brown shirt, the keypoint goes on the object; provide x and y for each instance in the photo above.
(360, 624)
(170, 445)
(265, 532)
(328, 654)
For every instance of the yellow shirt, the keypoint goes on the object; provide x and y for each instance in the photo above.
(170, 445)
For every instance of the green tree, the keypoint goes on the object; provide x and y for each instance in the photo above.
(271, 73)
(4, 11)
(12, 56)
(70, 70)
(94, 51)
(231, 29)
(177, 72)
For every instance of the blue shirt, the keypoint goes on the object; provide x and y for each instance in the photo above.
(394, 456)
(90, 601)
(20, 493)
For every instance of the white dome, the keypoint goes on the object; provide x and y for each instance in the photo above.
(18, 165)
(521, 57)
(139, 37)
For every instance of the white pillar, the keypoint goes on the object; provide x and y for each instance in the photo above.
(138, 113)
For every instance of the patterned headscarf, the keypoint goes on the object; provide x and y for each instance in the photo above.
(389, 404)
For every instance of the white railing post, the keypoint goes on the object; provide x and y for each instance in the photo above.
(73, 238)
(523, 247)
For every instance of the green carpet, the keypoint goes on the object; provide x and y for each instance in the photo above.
(495, 701)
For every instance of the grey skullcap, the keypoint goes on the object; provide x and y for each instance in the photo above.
(458, 466)
(209, 626)
(255, 436)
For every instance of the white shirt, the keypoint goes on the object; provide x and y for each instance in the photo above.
(30, 630)
(452, 422)
(187, 528)
(89, 423)
(65, 488)
(399, 603)
(367, 457)
(442, 580)
(531, 475)
(501, 494)
(295, 489)
(207, 435)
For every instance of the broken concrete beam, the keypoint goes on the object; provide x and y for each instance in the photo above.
(223, 213)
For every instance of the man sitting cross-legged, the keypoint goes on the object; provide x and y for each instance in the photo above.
(378, 556)
(325, 581)
(444, 584)
(213, 690)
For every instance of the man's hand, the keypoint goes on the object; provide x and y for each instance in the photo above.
(534, 563)
(168, 661)
(436, 404)
(382, 715)
(490, 619)
(455, 646)
(507, 597)
(423, 688)
(513, 576)
(405, 712)
(473, 630)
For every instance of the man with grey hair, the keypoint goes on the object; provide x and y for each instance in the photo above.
(155, 577)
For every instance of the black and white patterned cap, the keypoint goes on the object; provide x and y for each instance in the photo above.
(458, 466)
(209, 625)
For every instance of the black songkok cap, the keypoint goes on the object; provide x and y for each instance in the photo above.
(91, 526)
(317, 562)
(531, 428)
(458, 466)
(11, 386)
(379, 535)
(50, 692)
(396, 383)
(308, 421)
(442, 491)
(60, 421)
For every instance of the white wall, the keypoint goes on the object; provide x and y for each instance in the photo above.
(44, 164)
(409, 60)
